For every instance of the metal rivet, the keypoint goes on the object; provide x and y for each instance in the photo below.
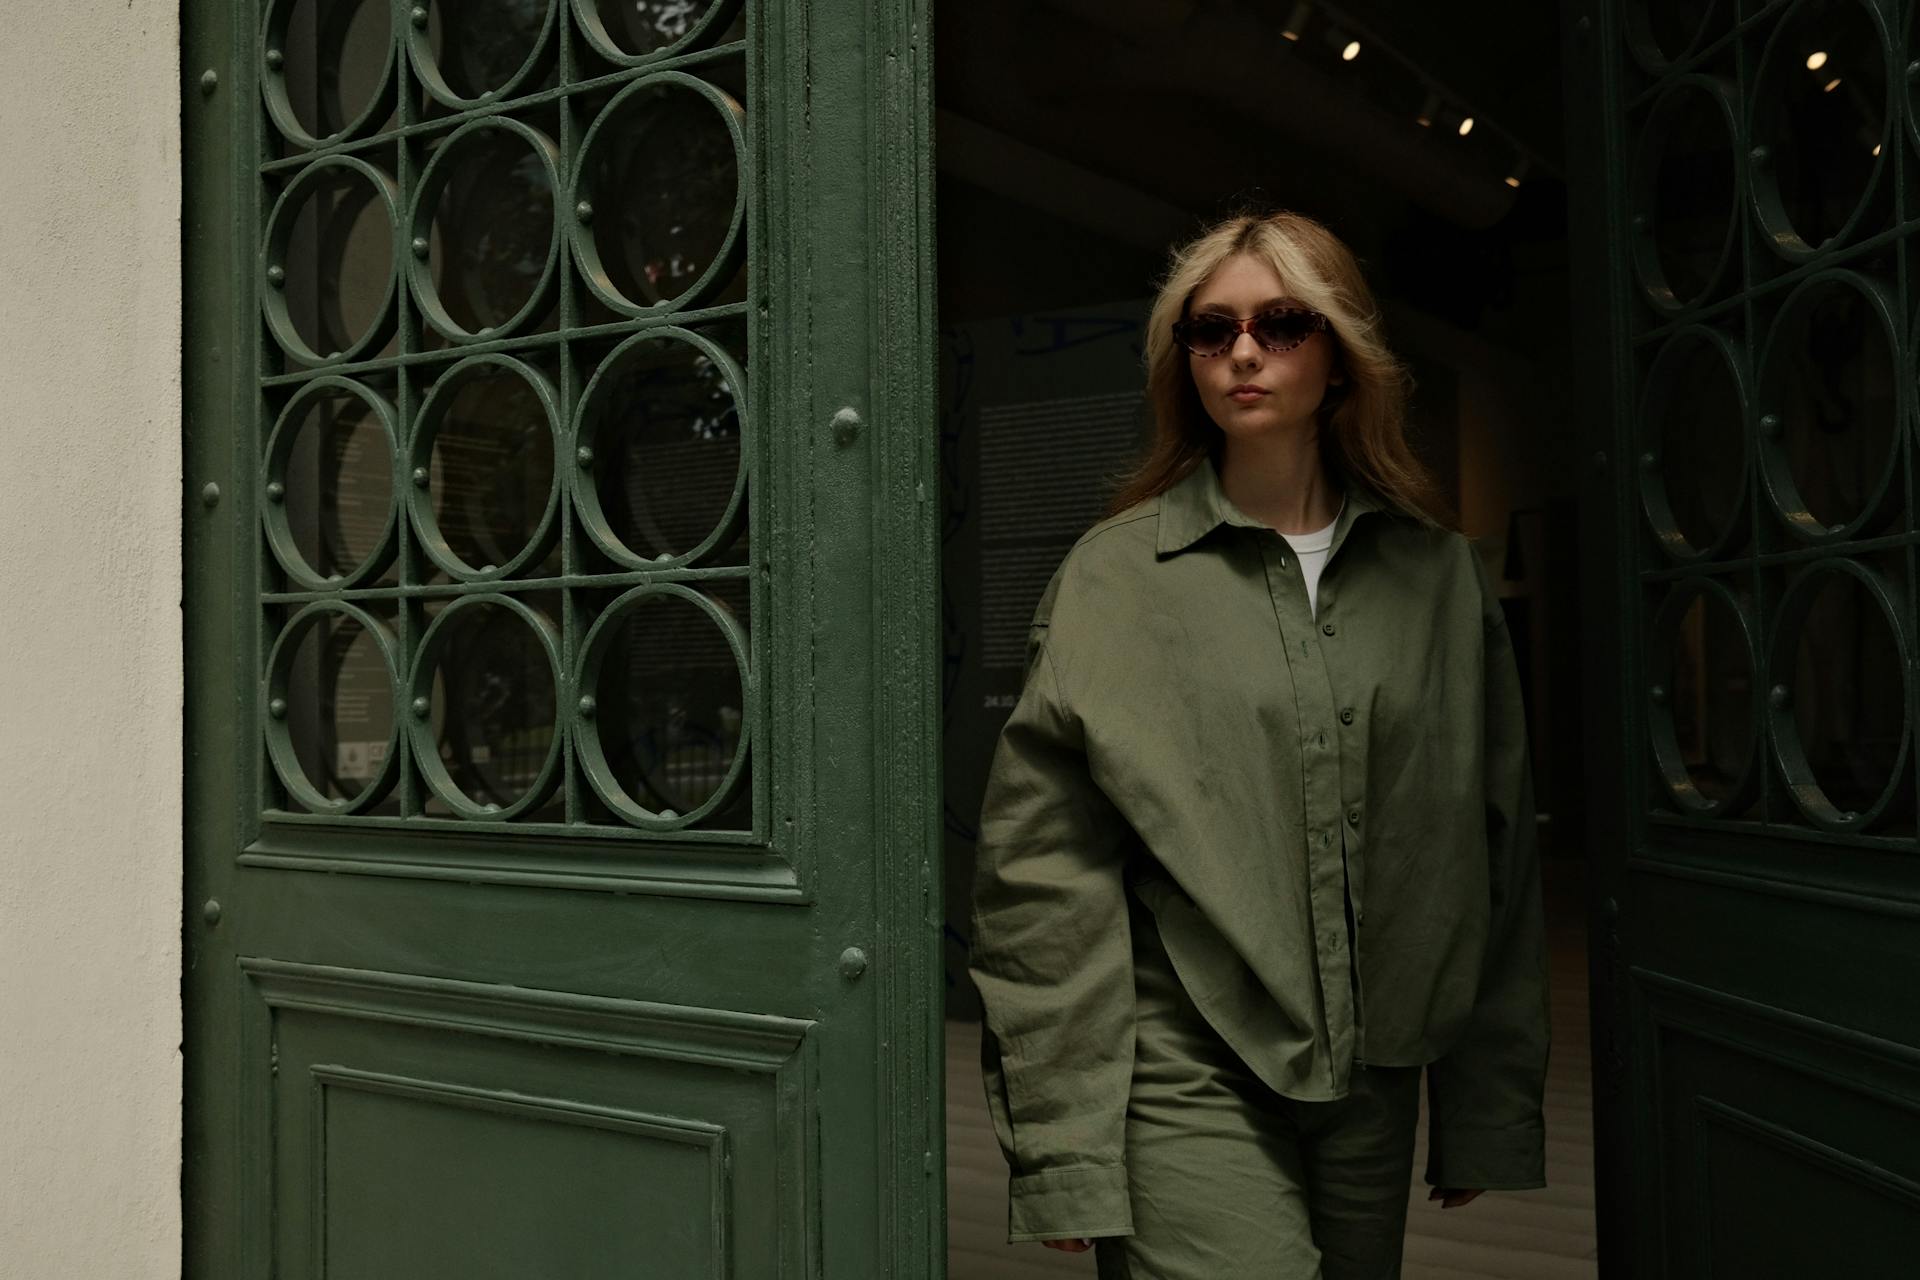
(1640, 222)
(669, 814)
(846, 427)
(209, 494)
(421, 477)
(209, 81)
(486, 95)
(1599, 459)
(211, 912)
(584, 456)
(333, 355)
(489, 568)
(1779, 696)
(1913, 70)
(584, 211)
(1770, 425)
(420, 708)
(421, 247)
(1759, 154)
(276, 275)
(1848, 816)
(274, 59)
(1648, 461)
(587, 707)
(277, 708)
(1836, 528)
(419, 15)
(663, 557)
(853, 962)
(489, 807)
(1659, 695)
(483, 330)
(275, 491)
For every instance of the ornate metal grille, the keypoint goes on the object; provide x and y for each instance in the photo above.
(1771, 150)
(505, 417)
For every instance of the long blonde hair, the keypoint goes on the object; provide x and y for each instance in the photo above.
(1362, 421)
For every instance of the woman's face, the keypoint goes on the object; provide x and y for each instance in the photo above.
(1247, 389)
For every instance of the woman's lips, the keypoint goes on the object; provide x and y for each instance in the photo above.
(1246, 395)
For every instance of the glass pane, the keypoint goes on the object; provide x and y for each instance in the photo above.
(1849, 694)
(664, 178)
(1836, 399)
(640, 27)
(339, 712)
(492, 228)
(338, 482)
(493, 704)
(1712, 697)
(665, 430)
(1824, 86)
(671, 704)
(492, 466)
(338, 261)
(479, 45)
(334, 61)
(1697, 410)
(1675, 24)
(1693, 192)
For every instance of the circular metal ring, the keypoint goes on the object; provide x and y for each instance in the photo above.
(272, 504)
(420, 732)
(1643, 244)
(270, 58)
(586, 15)
(1775, 470)
(1645, 48)
(1654, 502)
(432, 182)
(420, 496)
(593, 757)
(273, 255)
(1776, 227)
(420, 54)
(280, 748)
(587, 499)
(1788, 752)
(726, 260)
(1668, 758)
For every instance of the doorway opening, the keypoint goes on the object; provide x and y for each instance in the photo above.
(1077, 140)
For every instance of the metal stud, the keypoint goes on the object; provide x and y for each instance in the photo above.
(275, 491)
(274, 59)
(277, 708)
(1648, 461)
(1779, 696)
(209, 81)
(276, 275)
(587, 706)
(1770, 425)
(663, 557)
(211, 911)
(584, 456)
(669, 814)
(420, 708)
(419, 15)
(489, 568)
(1659, 695)
(853, 963)
(1759, 154)
(421, 477)
(584, 211)
(210, 494)
(421, 248)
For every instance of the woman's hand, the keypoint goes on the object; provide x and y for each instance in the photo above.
(1454, 1196)
(1069, 1246)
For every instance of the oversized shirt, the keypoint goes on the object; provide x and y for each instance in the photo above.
(1329, 813)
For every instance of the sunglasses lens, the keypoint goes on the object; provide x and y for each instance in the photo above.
(1208, 335)
(1284, 328)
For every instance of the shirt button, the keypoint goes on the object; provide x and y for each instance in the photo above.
(1326, 628)
(1346, 715)
(1353, 817)
(1359, 917)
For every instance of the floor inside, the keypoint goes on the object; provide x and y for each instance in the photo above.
(1502, 1235)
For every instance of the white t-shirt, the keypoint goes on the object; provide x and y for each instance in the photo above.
(1312, 548)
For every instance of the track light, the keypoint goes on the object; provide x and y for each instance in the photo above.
(1297, 20)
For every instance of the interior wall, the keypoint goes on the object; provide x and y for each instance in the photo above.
(90, 688)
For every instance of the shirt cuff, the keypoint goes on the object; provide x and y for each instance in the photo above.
(1080, 1202)
(1511, 1158)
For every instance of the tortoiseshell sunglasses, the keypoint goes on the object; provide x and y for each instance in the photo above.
(1280, 329)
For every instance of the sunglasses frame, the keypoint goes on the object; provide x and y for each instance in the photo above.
(1183, 326)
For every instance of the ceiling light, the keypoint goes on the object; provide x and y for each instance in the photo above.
(1428, 110)
(1817, 59)
(1831, 85)
(1297, 20)
(1466, 126)
(1351, 52)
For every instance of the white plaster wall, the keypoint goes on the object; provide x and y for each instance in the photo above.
(90, 662)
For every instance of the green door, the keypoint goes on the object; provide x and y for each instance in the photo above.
(561, 739)
(1744, 203)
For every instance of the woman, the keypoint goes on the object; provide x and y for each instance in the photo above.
(1258, 845)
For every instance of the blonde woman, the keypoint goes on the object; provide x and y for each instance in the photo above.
(1258, 844)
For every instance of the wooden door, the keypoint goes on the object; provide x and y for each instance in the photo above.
(1744, 198)
(561, 774)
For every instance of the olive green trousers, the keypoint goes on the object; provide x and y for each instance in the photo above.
(1229, 1179)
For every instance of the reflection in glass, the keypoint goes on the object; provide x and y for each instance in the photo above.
(1849, 694)
(339, 713)
(665, 427)
(1823, 93)
(492, 227)
(671, 704)
(479, 45)
(335, 57)
(338, 261)
(338, 482)
(664, 178)
(1833, 372)
(1692, 191)
(493, 703)
(641, 27)
(1697, 419)
(492, 466)
(1712, 697)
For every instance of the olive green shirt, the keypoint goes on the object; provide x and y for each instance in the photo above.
(1330, 816)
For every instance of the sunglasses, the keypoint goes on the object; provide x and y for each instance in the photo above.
(1280, 329)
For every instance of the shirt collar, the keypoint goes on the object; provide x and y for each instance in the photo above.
(1196, 505)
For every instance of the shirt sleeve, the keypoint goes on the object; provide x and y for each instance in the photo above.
(1052, 957)
(1484, 1097)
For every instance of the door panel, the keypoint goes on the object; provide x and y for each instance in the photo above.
(1742, 216)
(561, 737)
